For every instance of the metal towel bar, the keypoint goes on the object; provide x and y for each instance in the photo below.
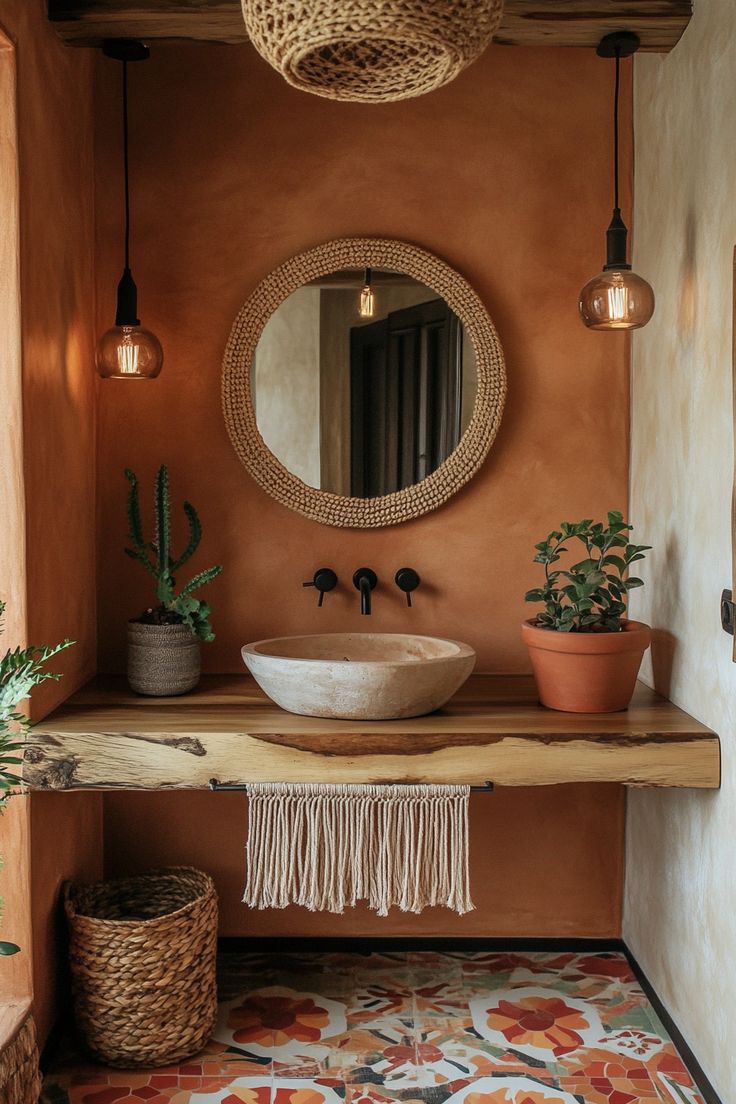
(215, 784)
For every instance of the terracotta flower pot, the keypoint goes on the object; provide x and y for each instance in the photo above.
(586, 672)
(163, 660)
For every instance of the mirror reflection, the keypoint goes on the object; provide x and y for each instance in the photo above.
(363, 382)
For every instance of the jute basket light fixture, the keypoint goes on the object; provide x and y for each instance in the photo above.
(371, 51)
(240, 416)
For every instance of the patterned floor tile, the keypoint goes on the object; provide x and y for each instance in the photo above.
(148, 1088)
(383, 1051)
(423, 1027)
(382, 998)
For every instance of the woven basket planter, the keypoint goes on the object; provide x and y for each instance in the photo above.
(142, 955)
(20, 1079)
(163, 660)
(371, 51)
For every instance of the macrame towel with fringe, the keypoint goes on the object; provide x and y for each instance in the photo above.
(327, 847)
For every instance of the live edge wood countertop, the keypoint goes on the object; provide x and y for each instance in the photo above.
(105, 737)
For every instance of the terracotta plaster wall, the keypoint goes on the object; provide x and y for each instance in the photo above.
(506, 174)
(56, 204)
(15, 973)
(681, 863)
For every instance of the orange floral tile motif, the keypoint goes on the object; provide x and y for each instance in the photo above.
(274, 1021)
(278, 1021)
(542, 1022)
(537, 1021)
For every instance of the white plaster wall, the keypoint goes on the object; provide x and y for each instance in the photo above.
(680, 900)
(287, 384)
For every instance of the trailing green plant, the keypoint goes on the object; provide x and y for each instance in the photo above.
(590, 595)
(20, 671)
(175, 608)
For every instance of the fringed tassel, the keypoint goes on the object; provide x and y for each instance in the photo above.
(327, 847)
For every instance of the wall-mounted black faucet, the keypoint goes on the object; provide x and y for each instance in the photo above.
(324, 580)
(365, 581)
(407, 580)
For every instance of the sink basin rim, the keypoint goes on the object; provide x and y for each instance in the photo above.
(460, 650)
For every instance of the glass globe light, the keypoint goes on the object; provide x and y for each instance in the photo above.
(129, 352)
(616, 299)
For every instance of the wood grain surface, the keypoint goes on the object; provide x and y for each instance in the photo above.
(659, 23)
(493, 729)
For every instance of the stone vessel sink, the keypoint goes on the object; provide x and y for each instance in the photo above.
(359, 676)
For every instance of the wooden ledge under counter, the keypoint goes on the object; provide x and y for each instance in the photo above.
(105, 737)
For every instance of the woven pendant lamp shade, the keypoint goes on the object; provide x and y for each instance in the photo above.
(371, 51)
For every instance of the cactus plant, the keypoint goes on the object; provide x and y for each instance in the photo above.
(174, 608)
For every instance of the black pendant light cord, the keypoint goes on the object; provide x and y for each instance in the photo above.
(615, 131)
(616, 235)
(125, 164)
(125, 50)
(127, 306)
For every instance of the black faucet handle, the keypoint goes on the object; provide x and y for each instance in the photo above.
(324, 580)
(407, 579)
(368, 574)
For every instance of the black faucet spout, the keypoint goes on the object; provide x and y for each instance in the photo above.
(365, 597)
(364, 581)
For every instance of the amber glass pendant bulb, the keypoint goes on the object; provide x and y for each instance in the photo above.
(616, 299)
(127, 350)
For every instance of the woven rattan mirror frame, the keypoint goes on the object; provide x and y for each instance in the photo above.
(411, 502)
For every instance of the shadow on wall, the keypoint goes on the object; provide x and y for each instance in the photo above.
(665, 602)
(664, 644)
(688, 311)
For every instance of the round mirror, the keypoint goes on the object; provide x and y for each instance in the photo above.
(363, 383)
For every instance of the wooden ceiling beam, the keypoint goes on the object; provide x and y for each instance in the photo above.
(659, 23)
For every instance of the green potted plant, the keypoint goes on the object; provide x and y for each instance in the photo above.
(164, 642)
(20, 670)
(585, 653)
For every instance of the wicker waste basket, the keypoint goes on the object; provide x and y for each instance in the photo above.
(142, 954)
(20, 1078)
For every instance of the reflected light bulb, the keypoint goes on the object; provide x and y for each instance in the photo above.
(616, 299)
(129, 352)
(367, 302)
